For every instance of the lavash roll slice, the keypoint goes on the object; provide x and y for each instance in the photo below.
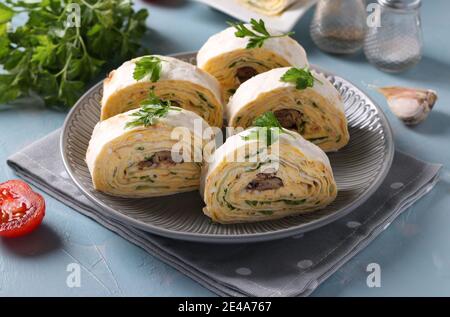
(141, 161)
(180, 82)
(268, 7)
(226, 57)
(249, 191)
(317, 112)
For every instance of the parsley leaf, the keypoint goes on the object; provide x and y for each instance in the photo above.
(302, 78)
(45, 56)
(6, 13)
(258, 36)
(268, 128)
(267, 120)
(148, 66)
(151, 109)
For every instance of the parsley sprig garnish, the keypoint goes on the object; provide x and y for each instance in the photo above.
(258, 35)
(268, 126)
(148, 66)
(301, 77)
(267, 120)
(151, 109)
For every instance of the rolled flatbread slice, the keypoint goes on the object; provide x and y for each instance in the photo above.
(172, 79)
(316, 112)
(141, 161)
(226, 57)
(236, 190)
(268, 7)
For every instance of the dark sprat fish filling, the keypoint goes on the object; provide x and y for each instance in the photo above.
(289, 118)
(157, 159)
(245, 73)
(265, 181)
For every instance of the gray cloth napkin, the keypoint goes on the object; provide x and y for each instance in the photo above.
(288, 267)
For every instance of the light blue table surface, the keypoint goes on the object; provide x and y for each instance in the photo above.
(414, 252)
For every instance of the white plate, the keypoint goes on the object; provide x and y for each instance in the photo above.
(284, 22)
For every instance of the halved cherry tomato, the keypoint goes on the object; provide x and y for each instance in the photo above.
(21, 209)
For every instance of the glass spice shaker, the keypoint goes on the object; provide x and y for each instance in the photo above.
(396, 43)
(339, 26)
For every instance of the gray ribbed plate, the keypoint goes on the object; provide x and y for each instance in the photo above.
(359, 169)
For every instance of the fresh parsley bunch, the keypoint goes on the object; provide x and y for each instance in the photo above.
(48, 56)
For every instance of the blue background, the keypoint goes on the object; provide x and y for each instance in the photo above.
(414, 252)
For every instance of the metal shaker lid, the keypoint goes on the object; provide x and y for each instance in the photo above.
(401, 4)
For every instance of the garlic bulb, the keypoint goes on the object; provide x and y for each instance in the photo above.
(410, 105)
